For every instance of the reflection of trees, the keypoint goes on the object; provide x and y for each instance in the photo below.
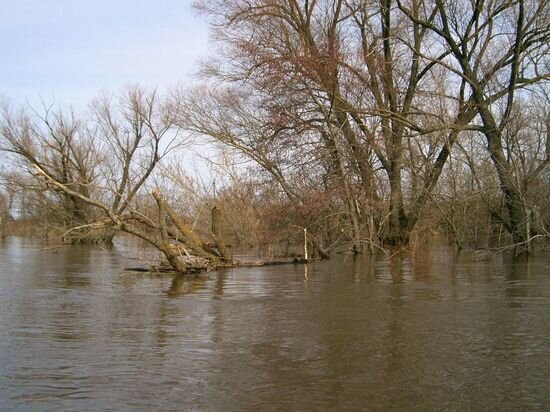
(75, 264)
(398, 349)
(516, 280)
(182, 285)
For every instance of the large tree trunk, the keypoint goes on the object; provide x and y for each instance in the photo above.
(398, 232)
(518, 224)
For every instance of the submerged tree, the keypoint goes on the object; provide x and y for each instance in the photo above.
(373, 93)
(346, 85)
(358, 117)
(95, 172)
(500, 51)
(59, 144)
(89, 169)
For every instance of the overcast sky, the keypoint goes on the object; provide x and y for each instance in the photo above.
(71, 50)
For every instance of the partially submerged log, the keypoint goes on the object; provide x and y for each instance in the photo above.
(185, 252)
(197, 268)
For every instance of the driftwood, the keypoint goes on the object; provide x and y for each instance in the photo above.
(198, 269)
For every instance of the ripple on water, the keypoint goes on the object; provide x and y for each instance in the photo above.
(353, 333)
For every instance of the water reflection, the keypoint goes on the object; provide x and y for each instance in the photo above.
(518, 286)
(183, 285)
(425, 331)
(73, 265)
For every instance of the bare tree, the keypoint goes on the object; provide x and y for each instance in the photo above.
(124, 141)
(235, 122)
(498, 50)
(359, 74)
(59, 144)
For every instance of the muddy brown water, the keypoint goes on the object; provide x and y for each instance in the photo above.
(439, 332)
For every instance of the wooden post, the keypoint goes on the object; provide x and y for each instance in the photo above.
(305, 244)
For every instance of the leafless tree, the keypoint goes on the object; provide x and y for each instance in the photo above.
(354, 75)
(98, 169)
(500, 51)
(59, 144)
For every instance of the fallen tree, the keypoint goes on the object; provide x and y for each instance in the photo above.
(184, 251)
(95, 174)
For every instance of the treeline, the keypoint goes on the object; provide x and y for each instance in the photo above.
(367, 123)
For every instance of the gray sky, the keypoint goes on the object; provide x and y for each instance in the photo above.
(72, 50)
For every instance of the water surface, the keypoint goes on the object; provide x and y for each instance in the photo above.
(432, 333)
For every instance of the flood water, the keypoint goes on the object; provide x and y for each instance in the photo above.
(434, 333)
